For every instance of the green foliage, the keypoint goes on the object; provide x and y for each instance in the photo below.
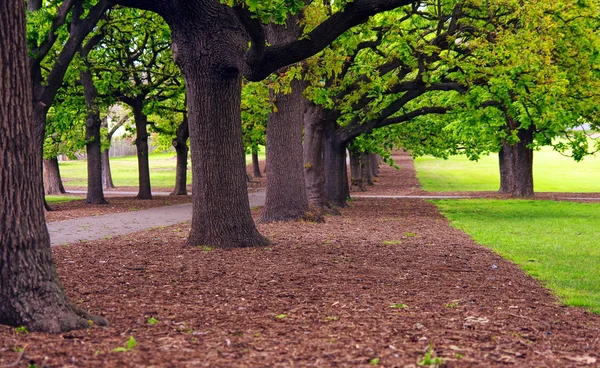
(399, 306)
(21, 330)
(556, 242)
(429, 360)
(129, 345)
(152, 321)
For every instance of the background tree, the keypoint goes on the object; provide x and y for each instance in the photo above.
(30, 291)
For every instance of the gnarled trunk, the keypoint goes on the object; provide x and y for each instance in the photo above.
(30, 291)
(141, 143)
(107, 181)
(52, 180)
(286, 196)
(255, 165)
(375, 161)
(516, 166)
(95, 193)
(182, 149)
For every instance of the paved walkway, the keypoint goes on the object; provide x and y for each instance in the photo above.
(100, 227)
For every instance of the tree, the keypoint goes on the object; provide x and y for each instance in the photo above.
(30, 292)
(210, 45)
(135, 66)
(107, 182)
(55, 32)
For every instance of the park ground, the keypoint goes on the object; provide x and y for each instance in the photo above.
(388, 283)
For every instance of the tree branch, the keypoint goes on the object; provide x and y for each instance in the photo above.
(275, 57)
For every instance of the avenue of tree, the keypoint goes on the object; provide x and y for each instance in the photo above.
(310, 82)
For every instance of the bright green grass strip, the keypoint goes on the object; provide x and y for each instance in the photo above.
(556, 242)
(124, 170)
(61, 199)
(552, 173)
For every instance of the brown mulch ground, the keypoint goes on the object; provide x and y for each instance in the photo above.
(320, 295)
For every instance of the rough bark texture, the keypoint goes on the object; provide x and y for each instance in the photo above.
(182, 149)
(30, 292)
(141, 143)
(95, 192)
(286, 195)
(375, 164)
(314, 164)
(255, 165)
(516, 166)
(221, 212)
(336, 179)
(52, 180)
(107, 181)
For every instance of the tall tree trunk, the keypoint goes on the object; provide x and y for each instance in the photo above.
(255, 165)
(314, 164)
(30, 291)
(336, 179)
(356, 175)
(95, 193)
(367, 168)
(52, 180)
(182, 149)
(516, 166)
(221, 214)
(286, 196)
(141, 143)
(107, 181)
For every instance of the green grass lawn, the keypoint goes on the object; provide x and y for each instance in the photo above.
(61, 199)
(125, 173)
(552, 173)
(556, 242)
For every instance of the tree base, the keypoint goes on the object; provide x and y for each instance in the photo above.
(210, 240)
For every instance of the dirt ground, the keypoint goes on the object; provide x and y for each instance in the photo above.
(388, 283)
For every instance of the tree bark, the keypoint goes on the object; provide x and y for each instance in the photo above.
(141, 143)
(516, 166)
(182, 149)
(367, 168)
(30, 291)
(374, 165)
(255, 165)
(95, 192)
(286, 195)
(221, 214)
(107, 181)
(336, 179)
(52, 180)
(314, 164)
(356, 175)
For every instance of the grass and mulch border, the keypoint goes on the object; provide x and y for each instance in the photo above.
(388, 283)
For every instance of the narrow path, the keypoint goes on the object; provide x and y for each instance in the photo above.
(100, 227)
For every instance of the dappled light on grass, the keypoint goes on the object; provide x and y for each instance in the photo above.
(556, 242)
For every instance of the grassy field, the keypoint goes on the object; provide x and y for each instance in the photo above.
(124, 171)
(556, 242)
(60, 199)
(552, 173)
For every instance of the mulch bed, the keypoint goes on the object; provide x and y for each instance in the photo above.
(387, 283)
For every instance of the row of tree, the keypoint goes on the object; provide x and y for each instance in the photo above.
(437, 77)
